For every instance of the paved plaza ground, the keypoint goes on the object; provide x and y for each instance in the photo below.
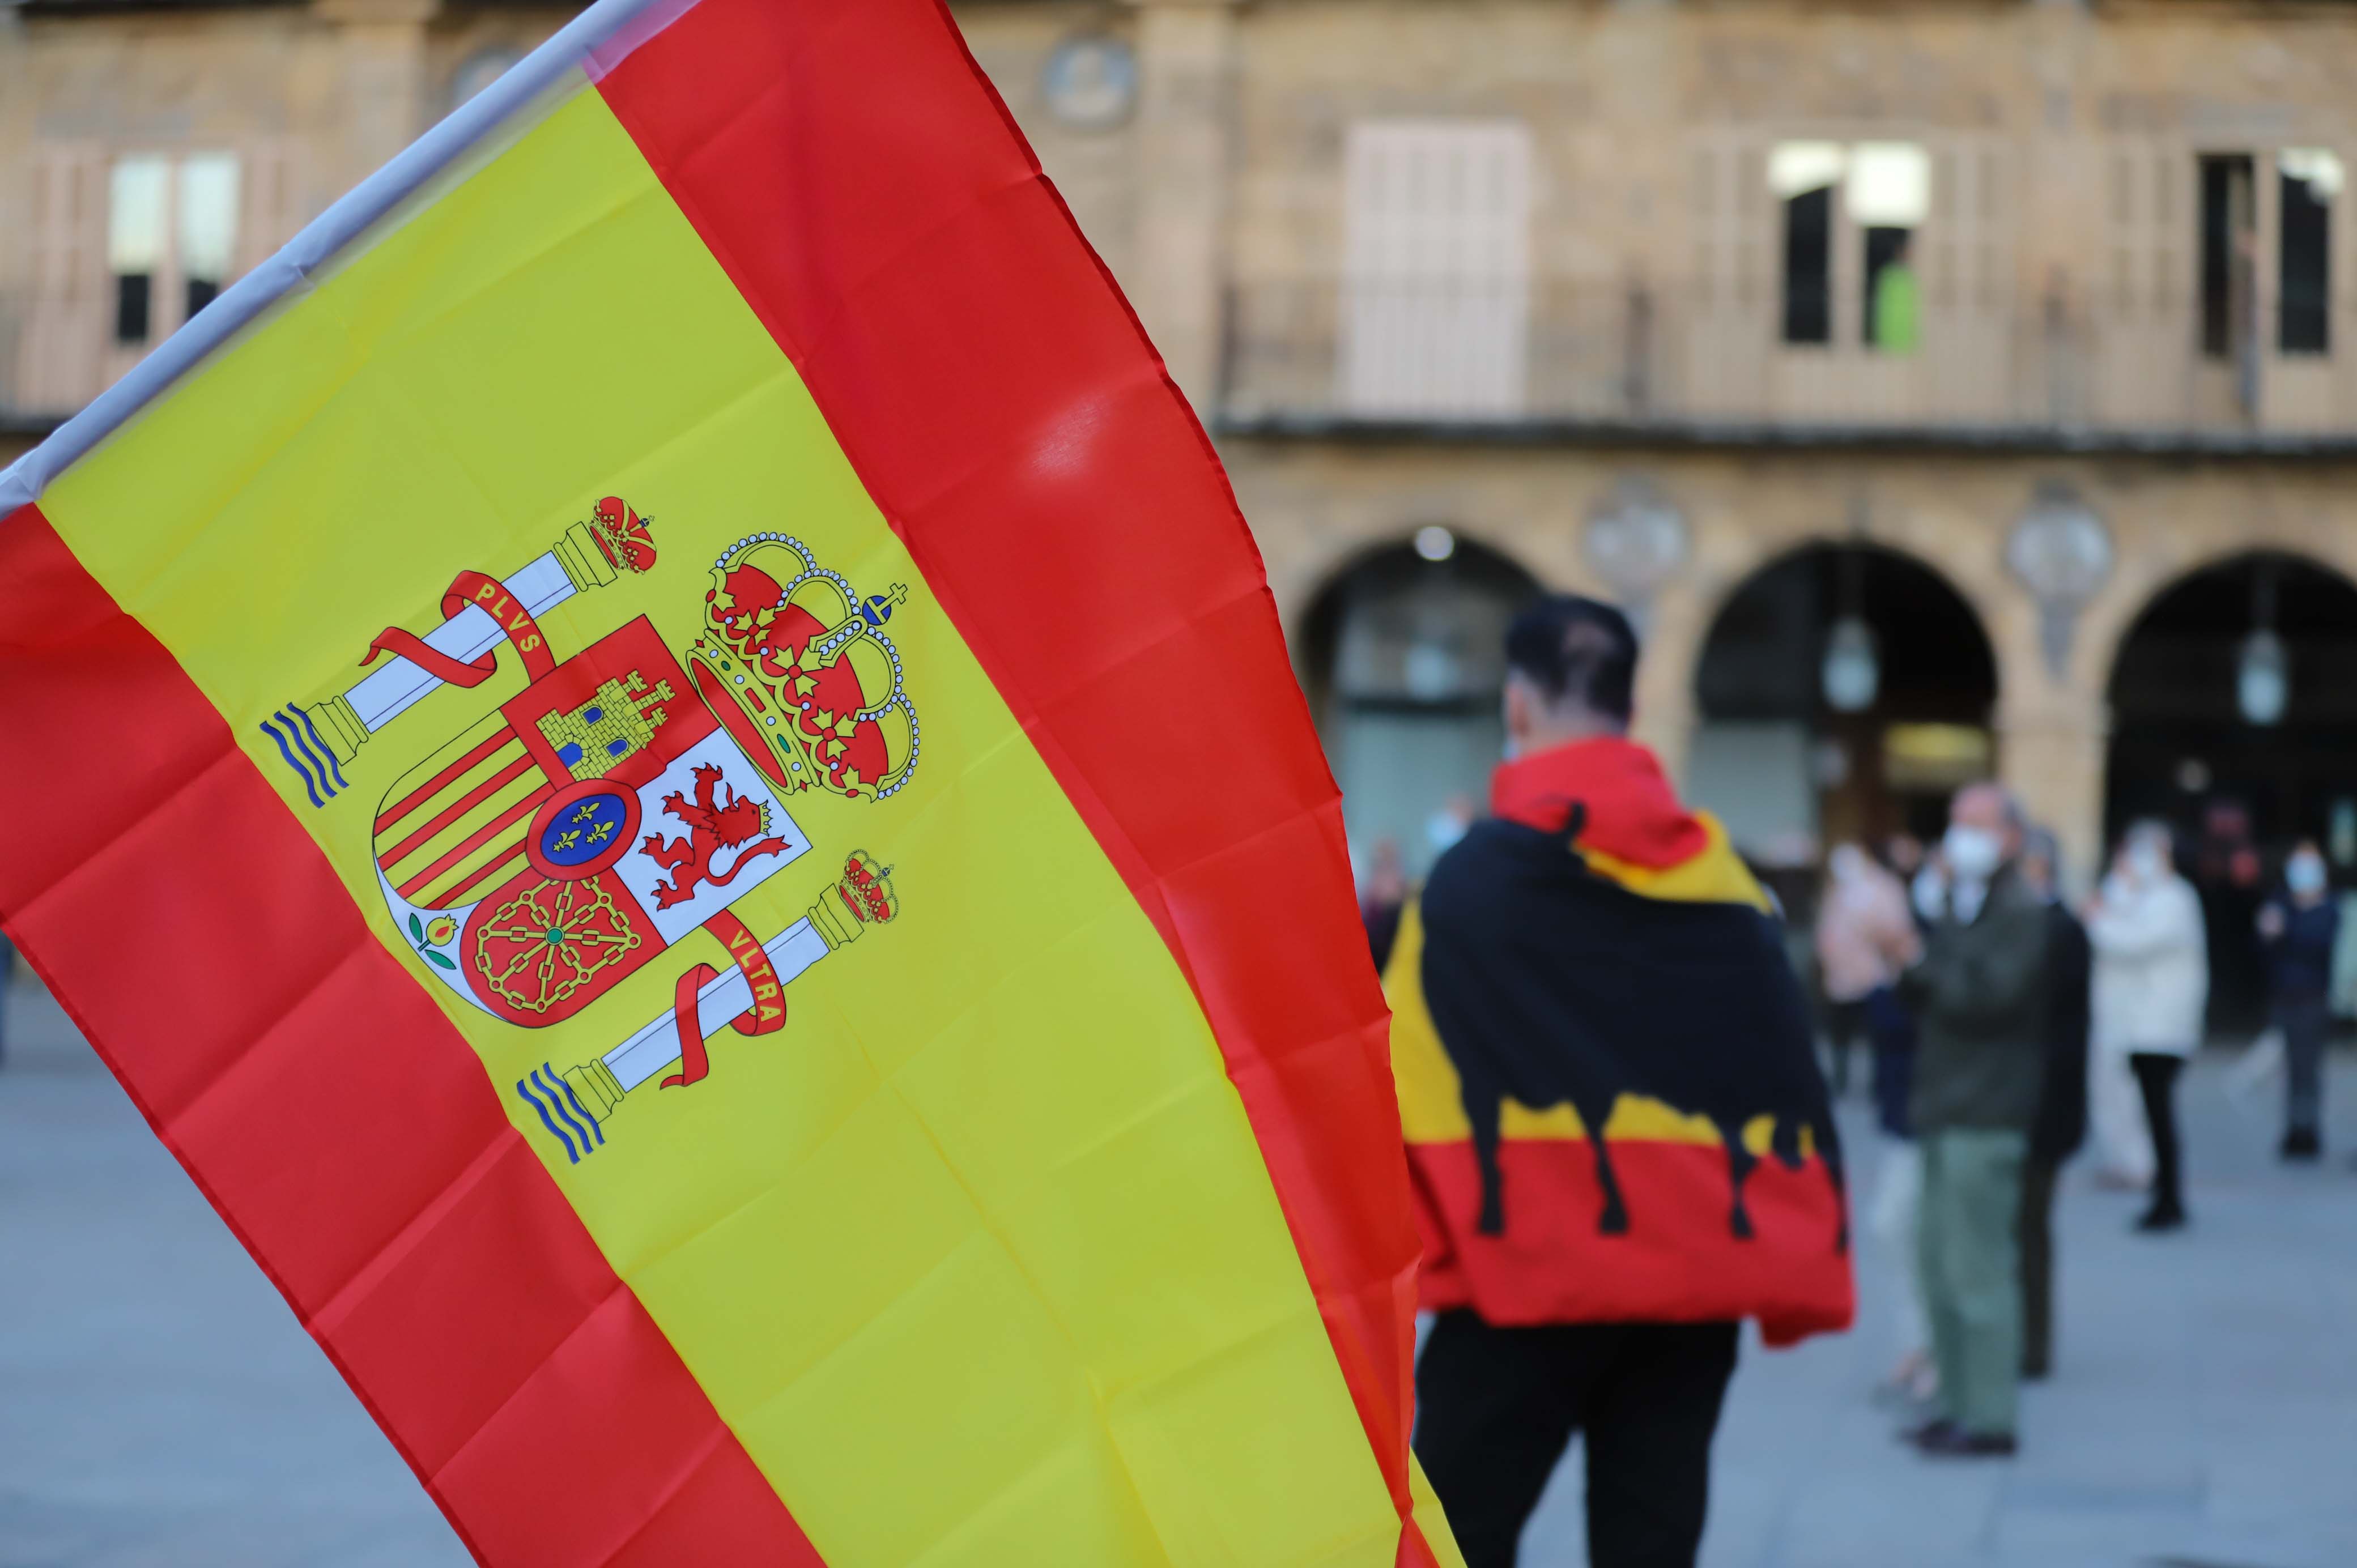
(159, 1407)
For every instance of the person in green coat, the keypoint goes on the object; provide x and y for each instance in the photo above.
(1897, 302)
(1980, 996)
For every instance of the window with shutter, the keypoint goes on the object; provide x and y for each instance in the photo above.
(138, 196)
(2310, 179)
(57, 364)
(1436, 314)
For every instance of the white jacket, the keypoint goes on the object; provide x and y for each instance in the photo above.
(2152, 966)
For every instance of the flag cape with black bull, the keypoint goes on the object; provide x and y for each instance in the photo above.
(660, 757)
(1605, 1067)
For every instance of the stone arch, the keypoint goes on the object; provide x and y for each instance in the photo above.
(1777, 519)
(2239, 784)
(1785, 764)
(2160, 566)
(1401, 654)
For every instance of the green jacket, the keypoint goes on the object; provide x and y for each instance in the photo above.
(1897, 308)
(1980, 1000)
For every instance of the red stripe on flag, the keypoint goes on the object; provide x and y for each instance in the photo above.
(475, 840)
(409, 802)
(457, 892)
(457, 809)
(1005, 411)
(332, 1115)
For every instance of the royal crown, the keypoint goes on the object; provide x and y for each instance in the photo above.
(624, 534)
(861, 898)
(612, 540)
(796, 665)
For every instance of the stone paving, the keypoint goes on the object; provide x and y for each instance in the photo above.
(159, 1407)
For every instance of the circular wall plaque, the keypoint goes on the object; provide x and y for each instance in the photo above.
(1090, 81)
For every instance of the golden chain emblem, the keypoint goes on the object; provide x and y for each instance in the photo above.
(556, 937)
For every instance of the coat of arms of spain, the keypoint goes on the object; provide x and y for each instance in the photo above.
(626, 795)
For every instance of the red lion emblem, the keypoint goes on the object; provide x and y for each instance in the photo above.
(713, 825)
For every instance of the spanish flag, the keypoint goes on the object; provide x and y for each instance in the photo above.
(660, 757)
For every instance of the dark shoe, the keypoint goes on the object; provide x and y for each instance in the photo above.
(2301, 1143)
(2035, 1371)
(1938, 1430)
(2158, 1219)
(1955, 1442)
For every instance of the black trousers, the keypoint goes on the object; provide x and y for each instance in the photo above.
(1496, 1407)
(2307, 1023)
(2156, 1073)
(2036, 1232)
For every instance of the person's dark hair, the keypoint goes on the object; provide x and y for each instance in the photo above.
(1577, 649)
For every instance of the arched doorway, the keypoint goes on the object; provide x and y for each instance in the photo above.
(1403, 660)
(1845, 692)
(2240, 760)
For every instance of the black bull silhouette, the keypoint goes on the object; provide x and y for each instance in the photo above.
(1693, 1006)
(1594, 1110)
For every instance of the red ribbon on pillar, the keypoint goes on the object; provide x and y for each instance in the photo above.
(490, 595)
(767, 1015)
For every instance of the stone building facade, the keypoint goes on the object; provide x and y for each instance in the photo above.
(2024, 314)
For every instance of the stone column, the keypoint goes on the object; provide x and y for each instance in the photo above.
(2053, 729)
(2054, 762)
(1186, 57)
(1676, 623)
(2053, 721)
(387, 97)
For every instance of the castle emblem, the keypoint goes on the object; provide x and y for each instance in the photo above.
(616, 723)
(624, 798)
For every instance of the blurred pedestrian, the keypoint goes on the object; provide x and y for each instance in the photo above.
(2115, 1116)
(1381, 894)
(1893, 1213)
(2228, 875)
(1864, 938)
(2151, 990)
(1903, 854)
(2061, 1125)
(1980, 999)
(2299, 930)
(1594, 950)
(1448, 823)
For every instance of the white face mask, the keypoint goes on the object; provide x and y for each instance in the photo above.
(2144, 862)
(2304, 873)
(1971, 853)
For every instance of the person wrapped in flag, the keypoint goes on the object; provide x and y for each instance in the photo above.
(1620, 1139)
